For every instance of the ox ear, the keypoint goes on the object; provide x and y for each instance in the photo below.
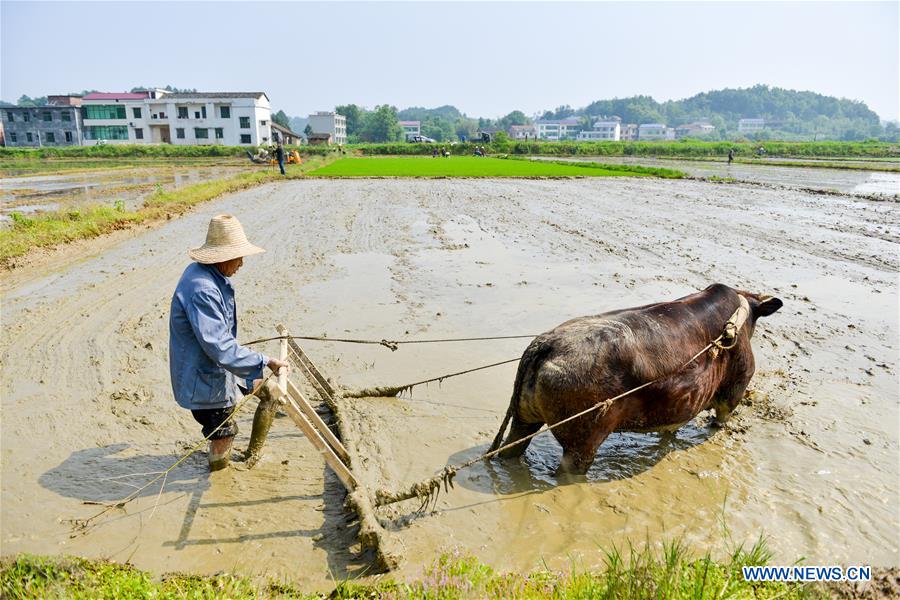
(768, 305)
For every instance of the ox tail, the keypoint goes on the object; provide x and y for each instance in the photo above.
(531, 355)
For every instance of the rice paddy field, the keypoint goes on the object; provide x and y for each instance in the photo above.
(475, 166)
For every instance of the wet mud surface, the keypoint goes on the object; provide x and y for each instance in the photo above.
(849, 181)
(40, 193)
(810, 459)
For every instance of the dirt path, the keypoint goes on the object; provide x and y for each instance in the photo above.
(812, 461)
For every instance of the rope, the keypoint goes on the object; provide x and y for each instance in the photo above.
(430, 488)
(83, 524)
(385, 391)
(393, 345)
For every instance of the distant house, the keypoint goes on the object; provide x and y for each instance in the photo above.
(411, 128)
(522, 132)
(285, 135)
(58, 123)
(751, 125)
(655, 131)
(697, 129)
(558, 129)
(319, 139)
(180, 118)
(603, 131)
(330, 122)
(629, 132)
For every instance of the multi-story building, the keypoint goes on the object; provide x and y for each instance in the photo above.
(558, 129)
(698, 129)
(187, 119)
(751, 125)
(655, 131)
(629, 132)
(603, 131)
(330, 122)
(522, 132)
(58, 123)
(411, 128)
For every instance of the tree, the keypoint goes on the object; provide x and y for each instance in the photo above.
(308, 130)
(516, 117)
(381, 125)
(282, 119)
(29, 101)
(353, 114)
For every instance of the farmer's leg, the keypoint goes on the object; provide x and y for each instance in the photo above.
(220, 438)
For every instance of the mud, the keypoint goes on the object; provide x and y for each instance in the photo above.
(130, 187)
(861, 182)
(810, 458)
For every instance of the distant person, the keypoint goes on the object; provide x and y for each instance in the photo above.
(434, 152)
(731, 156)
(209, 370)
(279, 154)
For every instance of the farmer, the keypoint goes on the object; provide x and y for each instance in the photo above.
(209, 370)
(730, 155)
(279, 154)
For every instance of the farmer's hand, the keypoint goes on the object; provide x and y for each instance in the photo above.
(276, 365)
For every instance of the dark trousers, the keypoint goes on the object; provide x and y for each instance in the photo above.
(213, 417)
(281, 165)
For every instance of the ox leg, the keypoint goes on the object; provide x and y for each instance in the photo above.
(726, 401)
(579, 450)
(517, 431)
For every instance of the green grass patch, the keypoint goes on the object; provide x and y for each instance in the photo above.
(669, 572)
(59, 227)
(471, 166)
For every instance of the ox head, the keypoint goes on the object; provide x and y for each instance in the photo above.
(761, 305)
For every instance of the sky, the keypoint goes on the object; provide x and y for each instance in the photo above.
(486, 59)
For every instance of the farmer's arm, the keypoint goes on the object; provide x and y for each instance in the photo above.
(206, 314)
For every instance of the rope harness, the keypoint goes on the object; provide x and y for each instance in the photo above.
(427, 491)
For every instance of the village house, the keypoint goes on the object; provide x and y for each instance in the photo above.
(58, 123)
(331, 123)
(411, 128)
(655, 131)
(184, 119)
(285, 136)
(603, 131)
(558, 129)
(522, 132)
(751, 125)
(697, 129)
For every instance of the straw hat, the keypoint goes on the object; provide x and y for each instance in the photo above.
(225, 240)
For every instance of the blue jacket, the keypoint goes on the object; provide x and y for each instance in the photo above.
(205, 360)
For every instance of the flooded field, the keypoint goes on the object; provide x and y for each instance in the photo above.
(810, 461)
(850, 181)
(38, 193)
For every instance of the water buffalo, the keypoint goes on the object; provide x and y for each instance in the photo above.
(591, 359)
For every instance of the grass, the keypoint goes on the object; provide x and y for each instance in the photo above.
(666, 573)
(59, 227)
(471, 166)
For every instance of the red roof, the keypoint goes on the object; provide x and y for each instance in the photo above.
(117, 96)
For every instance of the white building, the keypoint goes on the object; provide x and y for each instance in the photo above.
(330, 122)
(698, 129)
(751, 125)
(184, 119)
(655, 131)
(522, 132)
(411, 128)
(604, 131)
(558, 129)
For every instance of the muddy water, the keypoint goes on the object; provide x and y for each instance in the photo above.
(33, 194)
(839, 180)
(811, 461)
